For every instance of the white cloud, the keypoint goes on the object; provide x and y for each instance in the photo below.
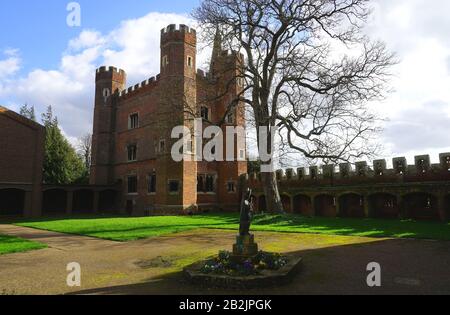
(87, 39)
(10, 65)
(133, 46)
(416, 29)
(419, 108)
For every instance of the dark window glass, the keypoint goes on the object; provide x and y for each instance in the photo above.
(174, 186)
(132, 184)
(204, 111)
(152, 183)
(200, 183)
(209, 183)
(162, 146)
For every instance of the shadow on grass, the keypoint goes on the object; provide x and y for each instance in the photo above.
(331, 270)
(353, 227)
(130, 228)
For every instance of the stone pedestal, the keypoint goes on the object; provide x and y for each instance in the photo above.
(245, 248)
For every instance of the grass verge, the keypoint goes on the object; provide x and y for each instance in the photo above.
(11, 244)
(127, 229)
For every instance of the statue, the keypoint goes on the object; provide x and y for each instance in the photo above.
(246, 213)
(245, 247)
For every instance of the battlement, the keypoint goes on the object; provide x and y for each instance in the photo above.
(178, 28)
(232, 54)
(422, 169)
(104, 69)
(180, 32)
(151, 82)
(108, 73)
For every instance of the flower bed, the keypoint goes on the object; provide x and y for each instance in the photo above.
(224, 264)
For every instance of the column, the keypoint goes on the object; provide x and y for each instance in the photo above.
(401, 211)
(313, 205)
(36, 197)
(338, 206)
(69, 204)
(441, 208)
(366, 206)
(96, 201)
(28, 204)
(291, 200)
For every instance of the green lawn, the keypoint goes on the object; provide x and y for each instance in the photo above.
(125, 229)
(11, 244)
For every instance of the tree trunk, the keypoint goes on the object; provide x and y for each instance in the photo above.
(273, 200)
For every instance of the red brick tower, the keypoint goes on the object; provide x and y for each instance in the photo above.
(226, 69)
(177, 100)
(108, 83)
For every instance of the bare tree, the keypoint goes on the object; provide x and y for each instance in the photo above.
(84, 148)
(295, 78)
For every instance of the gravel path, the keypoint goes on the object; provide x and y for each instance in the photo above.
(332, 264)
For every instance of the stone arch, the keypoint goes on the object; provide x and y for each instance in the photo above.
(54, 201)
(262, 206)
(351, 205)
(421, 206)
(107, 201)
(325, 206)
(83, 201)
(383, 206)
(12, 202)
(286, 201)
(303, 205)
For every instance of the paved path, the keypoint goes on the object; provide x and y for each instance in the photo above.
(332, 264)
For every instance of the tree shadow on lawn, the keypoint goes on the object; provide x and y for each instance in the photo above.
(145, 228)
(354, 227)
(122, 235)
(225, 218)
(408, 267)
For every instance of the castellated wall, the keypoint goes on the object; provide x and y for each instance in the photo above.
(418, 191)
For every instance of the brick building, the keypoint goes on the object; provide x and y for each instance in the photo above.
(132, 130)
(22, 145)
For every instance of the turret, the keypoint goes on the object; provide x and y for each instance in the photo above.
(108, 83)
(178, 96)
(178, 51)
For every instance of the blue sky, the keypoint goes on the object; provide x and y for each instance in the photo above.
(39, 30)
(44, 62)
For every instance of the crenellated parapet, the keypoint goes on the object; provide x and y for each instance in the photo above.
(232, 54)
(175, 33)
(144, 85)
(110, 73)
(346, 173)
